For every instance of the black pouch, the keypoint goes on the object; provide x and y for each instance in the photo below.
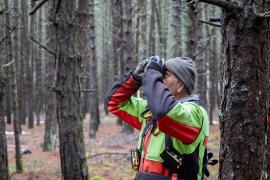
(135, 159)
(172, 160)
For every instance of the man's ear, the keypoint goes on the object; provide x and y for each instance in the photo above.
(180, 87)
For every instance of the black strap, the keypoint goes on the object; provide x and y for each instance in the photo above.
(151, 123)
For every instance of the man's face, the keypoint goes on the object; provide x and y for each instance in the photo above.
(173, 84)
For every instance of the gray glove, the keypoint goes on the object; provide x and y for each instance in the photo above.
(139, 71)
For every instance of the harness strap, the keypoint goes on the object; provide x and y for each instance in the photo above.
(151, 123)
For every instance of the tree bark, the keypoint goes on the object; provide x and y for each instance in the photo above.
(117, 28)
(87, 47)
(151, 40)
(50, 100)
(142, 29)
(213, 62)
(160, 29)
(201, 84)
(246, 45)
(24, 56)
(69, 60)
(192, 34)
(39, 93)
(29, 73)
(15, 89)
(127, 46)
(94, 102)
(176, 24)
(8, 72)
(3, 141)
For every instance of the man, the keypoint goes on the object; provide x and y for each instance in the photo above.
(174, 127)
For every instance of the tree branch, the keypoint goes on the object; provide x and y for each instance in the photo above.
(6, 36)
(228, 6)
(87, 90)
(105, 153)
(8, 64)
(209, 23)
(41, 45)
(263, 15)
(34, 9)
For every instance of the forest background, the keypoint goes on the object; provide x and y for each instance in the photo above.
(59, 59)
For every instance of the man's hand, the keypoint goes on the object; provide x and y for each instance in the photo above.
(156, 63)
(139, 71)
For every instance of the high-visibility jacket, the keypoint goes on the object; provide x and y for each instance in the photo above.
(187, 123)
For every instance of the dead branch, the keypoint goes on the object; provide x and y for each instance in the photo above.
(209, 23)
(228, 6)
(35, 8)
(7, 35)
(87, 90)
(8, 64)
(41, 45)
(222, 4)
(105, 153)
(263, 15)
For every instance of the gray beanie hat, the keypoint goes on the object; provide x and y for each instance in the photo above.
(184, 69)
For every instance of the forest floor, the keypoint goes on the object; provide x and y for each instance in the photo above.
(108, 154)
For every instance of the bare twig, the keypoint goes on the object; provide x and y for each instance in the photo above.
(106, 153)
(8, 64)
(6, 36)
(41, 45)
(209, 23)
(34, 9)
(87, 90)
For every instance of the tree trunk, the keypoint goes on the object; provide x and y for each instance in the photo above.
(142, 29)
(50, 100)
(151, 40)
(73, 160)
(176, 24)
(106, 60)
(117, 44)
(3, 141)
(23, 63)
(192, 34)
(128, 46)
(160, 28)
(19, 164)
(29, 73)
(201, 84)
(213, 59)
(91, 49)
(39, 80)
(15, 52)
(246, 44)
(8, 72)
